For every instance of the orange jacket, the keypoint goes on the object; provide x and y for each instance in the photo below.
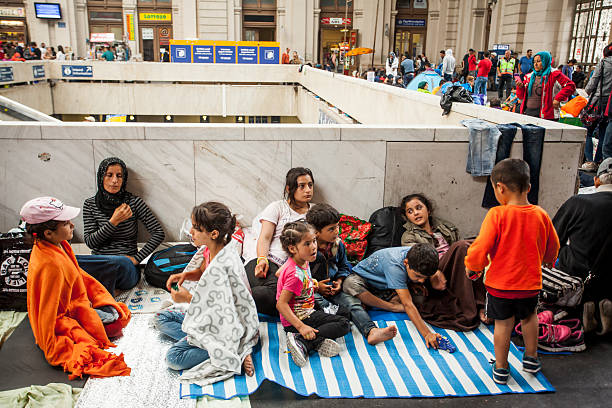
(61, 302)
(518, 239)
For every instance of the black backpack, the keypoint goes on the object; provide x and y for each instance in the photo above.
(166, 262)
(386, 231)
(14, 261)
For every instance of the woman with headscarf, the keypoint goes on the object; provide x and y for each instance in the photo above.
(423, 87)
(537, 89)
(391, 65)
(111, 229)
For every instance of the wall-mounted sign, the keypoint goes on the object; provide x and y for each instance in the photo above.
(180, 53)
(12, 12)
(269, 52)
(420, 4)
(335, 21)
(61, 24)
(501, 47)
(247, 52)
(102, 37)
(225, 52)
(147, 33)
(76, 71)
(38, 71)
(204, 53)
(155, 17)
(410, 22)
(6, 74)
(129, 18)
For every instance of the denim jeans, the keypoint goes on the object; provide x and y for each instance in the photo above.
(588, 145)
(606, 143)
(533, 145)
(112, 271)
(482, 148)
(182, 355)
(480, 85)
(408, 77)
(358, 315)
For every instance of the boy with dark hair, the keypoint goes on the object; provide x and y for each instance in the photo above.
(332, 265)
(382, 280)
(514, 240)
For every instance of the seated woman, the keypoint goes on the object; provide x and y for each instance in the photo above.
(456, 302)
(72, 315)
(214, 337)
(111, 229)
(261, 271)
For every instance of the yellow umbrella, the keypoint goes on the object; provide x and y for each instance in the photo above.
(359, 51)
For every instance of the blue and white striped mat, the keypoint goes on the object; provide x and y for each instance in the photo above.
(402, 368)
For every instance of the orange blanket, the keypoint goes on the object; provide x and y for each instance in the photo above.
(61, 302)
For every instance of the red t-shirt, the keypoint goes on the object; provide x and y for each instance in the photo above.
(472, 63)
(484, 66)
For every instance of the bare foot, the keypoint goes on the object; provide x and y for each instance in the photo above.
(483, 317)
(247, 365)
(378, 335)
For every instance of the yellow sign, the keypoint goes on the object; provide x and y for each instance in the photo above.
(155, 17)
(130, 26)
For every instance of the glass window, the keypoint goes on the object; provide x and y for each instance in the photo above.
(403, 4)
(106, 16)
(328, 4)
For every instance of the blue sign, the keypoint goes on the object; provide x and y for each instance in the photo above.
(225, 54)
(180, 53)
(501, 47)
(269, 55)
(6, 74)
(77, 71)
(410, 22)
(203, 54)
(247, 55)
(38, 71)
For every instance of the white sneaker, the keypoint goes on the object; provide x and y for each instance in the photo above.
(297, 350)
(328, 348)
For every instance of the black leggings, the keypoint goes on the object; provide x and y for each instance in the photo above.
(329, 327)
(263, 289)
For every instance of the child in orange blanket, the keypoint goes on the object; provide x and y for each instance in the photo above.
(72, 315)
(517, 238)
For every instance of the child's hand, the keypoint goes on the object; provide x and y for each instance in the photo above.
(308, 332)
(438, 280)
(177, 278)
(473, 275)
(181, 295)
(336, 286)
(261, 270)
(324, 288)
(432, 340)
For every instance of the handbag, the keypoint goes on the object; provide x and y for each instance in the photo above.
(560, 288)
(14, 261)
(592, 113)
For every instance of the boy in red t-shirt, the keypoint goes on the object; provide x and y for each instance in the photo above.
(514, 240)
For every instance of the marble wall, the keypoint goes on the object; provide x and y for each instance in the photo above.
(357, 168)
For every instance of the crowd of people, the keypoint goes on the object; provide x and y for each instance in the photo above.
(296, 267)
(11, 51)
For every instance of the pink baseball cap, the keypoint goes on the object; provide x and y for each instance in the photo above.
(43, 209)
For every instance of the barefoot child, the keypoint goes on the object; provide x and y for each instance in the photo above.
(215, 335)
(307, 329)
(332, 265)
(72, 315)
(517, 237)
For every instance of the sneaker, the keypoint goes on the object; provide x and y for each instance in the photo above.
(589, 166)
(588, 317)
(545, 317)
(553, 333)
(328, 348)
(573, 342)
(605, 315)
(500, 375)
(531, 364)
(297, 350)
(573, 324)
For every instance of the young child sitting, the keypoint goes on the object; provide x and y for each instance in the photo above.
(510, 102)
(72, 315)
(211, 342)
(307, 329)
(516, 237)
(331, 265)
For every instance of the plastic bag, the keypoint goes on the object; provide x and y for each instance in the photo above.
(456, 93)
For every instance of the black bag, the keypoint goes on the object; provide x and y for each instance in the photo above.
(455, 93)
(592, 113)
(386, 229)
(166, 262)
(14, 261)
(561, 288)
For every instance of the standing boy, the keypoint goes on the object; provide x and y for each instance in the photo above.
(514, 240)
(332, 265)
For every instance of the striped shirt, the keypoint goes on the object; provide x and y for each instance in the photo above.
(106, 239)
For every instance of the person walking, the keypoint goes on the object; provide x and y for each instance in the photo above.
(448, 65)
(505, 70)
(484, 67)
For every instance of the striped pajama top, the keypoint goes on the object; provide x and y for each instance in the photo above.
(106, 239)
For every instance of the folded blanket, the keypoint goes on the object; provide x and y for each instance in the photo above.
(222, 319)
(61, 302)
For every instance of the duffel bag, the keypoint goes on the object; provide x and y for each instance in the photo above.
(166, 262)
(14, 261)
(386, 229)
(560, 288)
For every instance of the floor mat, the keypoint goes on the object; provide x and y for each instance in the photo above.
(144, 298)
(403, 367)
(23, 364)
(151, 383)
